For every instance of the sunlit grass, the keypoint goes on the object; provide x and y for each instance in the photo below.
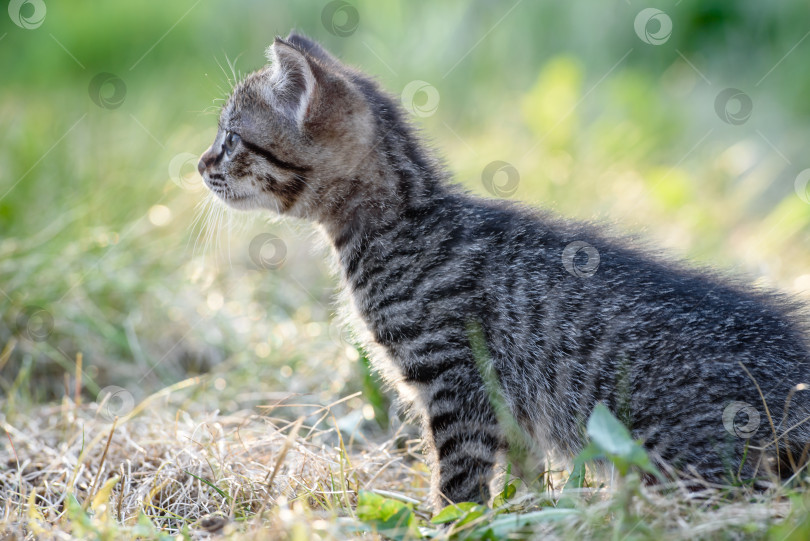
(171, 466)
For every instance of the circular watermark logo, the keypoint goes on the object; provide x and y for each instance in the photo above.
(741, 419)
(27, 14)
(500, 178)
(114, 402)
(107, 90)
(183, 171)
(340, 18)
(267, 251)
(580, 259)
(653, 26)
(420, 98)
(802, 184)
(733, 106)
(34, 323)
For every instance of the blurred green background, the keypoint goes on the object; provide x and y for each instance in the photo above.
(605, 111)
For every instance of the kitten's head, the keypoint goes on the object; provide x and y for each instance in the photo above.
(289, 132)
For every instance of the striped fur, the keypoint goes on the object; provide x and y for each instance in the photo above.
(665, 347)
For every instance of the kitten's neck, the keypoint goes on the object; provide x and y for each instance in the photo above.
(397, 180)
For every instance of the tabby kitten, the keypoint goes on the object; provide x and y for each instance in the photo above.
(667, 348)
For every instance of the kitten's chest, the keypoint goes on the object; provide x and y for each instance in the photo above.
(385, 361)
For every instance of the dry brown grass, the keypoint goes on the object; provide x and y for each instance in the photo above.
(173, 467)
(280, 474)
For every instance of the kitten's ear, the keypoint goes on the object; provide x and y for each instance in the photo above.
(312, 48)
(292, 82)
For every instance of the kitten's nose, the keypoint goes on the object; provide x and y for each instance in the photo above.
(205, 160)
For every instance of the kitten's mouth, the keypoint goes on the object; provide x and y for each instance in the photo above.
(224, 193)
(240, 202)
(230, 197)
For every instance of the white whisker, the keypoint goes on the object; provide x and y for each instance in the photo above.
(228, 238)
(230, 82)
(211, 228)
(203, 211)
(218, 234)
(232, 65)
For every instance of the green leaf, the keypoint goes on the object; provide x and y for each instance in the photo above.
(210, 484)
(577, 477)
(796, 526)
(79, 518)
(144, 527)
(454, 512)
(391, 518)
(612, 439)
(508, 492)
(502, 526)
(608, 433)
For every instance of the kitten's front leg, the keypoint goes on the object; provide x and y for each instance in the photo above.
(463, 436)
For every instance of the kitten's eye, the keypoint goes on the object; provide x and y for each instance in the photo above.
(230, 142)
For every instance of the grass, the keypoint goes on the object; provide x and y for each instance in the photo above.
(171, 467)
(179, 468)
(209, 358)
